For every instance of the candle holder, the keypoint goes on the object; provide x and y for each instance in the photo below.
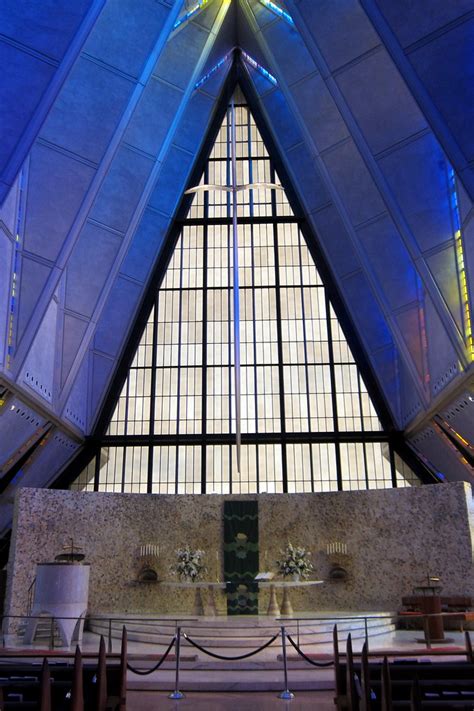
(148, 561)
(338, 561)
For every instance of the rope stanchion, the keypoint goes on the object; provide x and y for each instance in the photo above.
(306, 658)
(230, 659)
(177, 694)
(144, 672)
(286, 694)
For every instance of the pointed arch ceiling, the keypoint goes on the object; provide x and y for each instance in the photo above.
(107, 107)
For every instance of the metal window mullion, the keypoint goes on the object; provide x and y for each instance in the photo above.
(305, 347)
(250, 162)
(124, 461)
(362, 427)
(279, 340)
(204, 341)
(127, 384)
(254, 331)
(229, 353)
(151, 430)
(180, 306)
(393, 470)
(333, 391)
(97, 468)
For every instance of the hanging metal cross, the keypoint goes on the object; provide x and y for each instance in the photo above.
(234, 189)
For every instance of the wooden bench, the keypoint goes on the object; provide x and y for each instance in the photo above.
(413, 685)
(93, 686)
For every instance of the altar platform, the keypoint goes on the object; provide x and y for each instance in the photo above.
(243, 633)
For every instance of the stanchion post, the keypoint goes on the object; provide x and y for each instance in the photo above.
(286, 694)
(51, 645)
(177, 694)
(366, 633)
(109, 641)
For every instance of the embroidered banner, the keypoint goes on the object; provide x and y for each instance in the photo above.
(241, 556)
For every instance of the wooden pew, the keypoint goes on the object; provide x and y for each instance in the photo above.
(92, 686)
(352, 694)
(389, 687)
(340, 699)
(45, 693)
(386, 687)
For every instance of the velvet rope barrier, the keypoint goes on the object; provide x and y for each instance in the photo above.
(310, 661)
(141, 672)
(241, 656)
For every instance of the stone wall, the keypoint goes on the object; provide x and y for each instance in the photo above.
(394, 537)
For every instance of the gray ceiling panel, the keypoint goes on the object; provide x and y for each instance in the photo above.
(284, 124)
(88, 110)
(444, 267)
(18, 423)
(392, 265)
(411, 22)
(6, 258)
(445, 82)
(432, 50)
(146, 245)
(39, 369)
(98, 246)
(126, 32)
(319, 112)
(122, 189)
(46, 27)
(293, 54)
(335, 240)
(57, 185)
(443, 360)
(40, 41)
(33, 279)
(367, 315)
(341, 29)
(150, 122)
(416, 174)
(120, 310)
(29, 77)
(9, 209)
(380, 101)
(353, 182)
(460, 416)
(435, 447)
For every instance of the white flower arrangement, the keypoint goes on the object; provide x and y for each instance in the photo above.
(295, 562)
(189, 564)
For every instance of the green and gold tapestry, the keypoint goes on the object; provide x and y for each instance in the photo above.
(241, 556)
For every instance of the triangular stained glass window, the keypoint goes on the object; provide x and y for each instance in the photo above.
(308, 422)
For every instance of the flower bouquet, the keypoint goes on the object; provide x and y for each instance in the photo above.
(189, 565)
(294, 562)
